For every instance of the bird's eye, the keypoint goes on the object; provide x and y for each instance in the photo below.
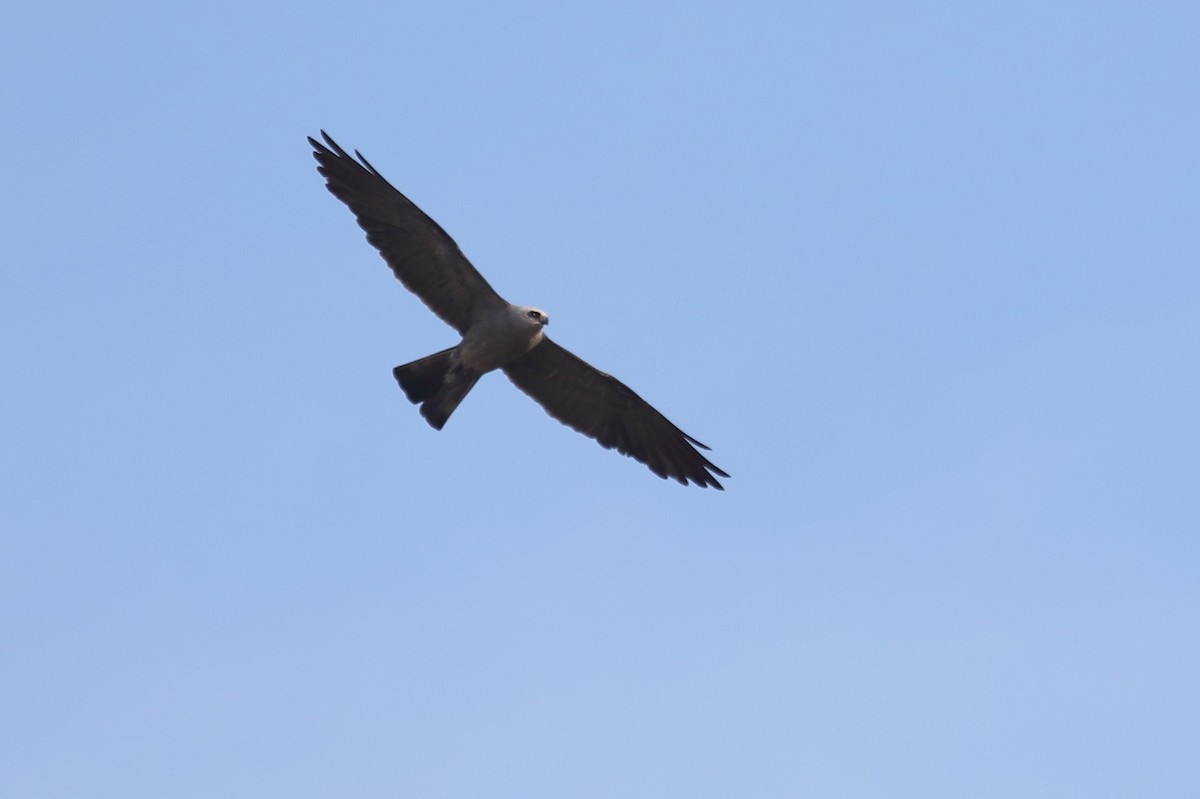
(534, 315)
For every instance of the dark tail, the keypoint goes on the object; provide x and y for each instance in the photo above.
(437, 383)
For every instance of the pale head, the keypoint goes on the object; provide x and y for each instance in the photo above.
(535, 315)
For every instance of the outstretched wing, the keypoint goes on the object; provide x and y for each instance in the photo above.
(422, 255)
(602, 407)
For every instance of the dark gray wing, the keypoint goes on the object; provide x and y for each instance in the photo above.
(422, 255)
(602, 407)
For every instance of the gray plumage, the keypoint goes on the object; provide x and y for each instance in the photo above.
(498, 335)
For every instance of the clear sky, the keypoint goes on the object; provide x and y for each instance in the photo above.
(925, 277)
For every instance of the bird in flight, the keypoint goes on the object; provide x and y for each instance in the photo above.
(498, 335)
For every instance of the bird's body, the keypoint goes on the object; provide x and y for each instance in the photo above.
(441, 381)
(500, 338)
(497, 334)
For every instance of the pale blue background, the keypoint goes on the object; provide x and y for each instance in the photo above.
(924, 275)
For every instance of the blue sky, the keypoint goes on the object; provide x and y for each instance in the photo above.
(924, 277)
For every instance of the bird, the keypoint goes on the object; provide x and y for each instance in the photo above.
(497, 334)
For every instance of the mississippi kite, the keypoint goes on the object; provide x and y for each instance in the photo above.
(498, 335)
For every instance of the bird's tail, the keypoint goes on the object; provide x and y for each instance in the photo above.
(437, 383)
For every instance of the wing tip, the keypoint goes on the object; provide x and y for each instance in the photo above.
(708, 478)
(697, 470)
